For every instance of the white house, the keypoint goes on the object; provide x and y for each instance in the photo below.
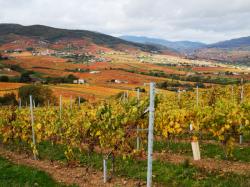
(120, 81)
(79, 81)
(7, 69)
(94, 72)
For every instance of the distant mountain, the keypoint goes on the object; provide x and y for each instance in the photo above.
(235, 51)
(233, 43)
(10, 33)
(181, 46)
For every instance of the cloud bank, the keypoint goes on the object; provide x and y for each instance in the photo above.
(197, 20)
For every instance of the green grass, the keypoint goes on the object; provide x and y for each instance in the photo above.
(208, 150)
(18, 175)
(164, 173)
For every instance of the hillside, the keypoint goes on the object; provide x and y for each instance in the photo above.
(233, 43)
(52, 55)
(235, 51)
(11, 32)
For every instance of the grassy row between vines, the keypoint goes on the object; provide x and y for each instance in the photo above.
(165, 173)
(208, 150)
(19, 175)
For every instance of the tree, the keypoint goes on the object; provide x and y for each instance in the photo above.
(25, 77)
(70, 78)
(40, 94)
(4, 78)
(8, 99)
(82, 100)
(29, 48)
(140, 89)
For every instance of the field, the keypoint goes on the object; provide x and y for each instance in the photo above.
(134, 67)
(90, 92)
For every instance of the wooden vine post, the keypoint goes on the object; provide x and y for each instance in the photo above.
(195, 143)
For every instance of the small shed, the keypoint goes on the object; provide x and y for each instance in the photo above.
(79, 81)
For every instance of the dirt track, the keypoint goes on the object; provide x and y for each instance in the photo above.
(85, 177)
(207, 163)
(82, 176)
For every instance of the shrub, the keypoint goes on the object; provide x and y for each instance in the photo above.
(29, 48)
(4, 79)
(82, 100)
(55, 80)
(25, 77)
(17, 68)
(140, 89)
(8, 99)
(40, 94)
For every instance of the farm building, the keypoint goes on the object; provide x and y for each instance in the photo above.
(79, 81)
(119, 81)
(94, 72)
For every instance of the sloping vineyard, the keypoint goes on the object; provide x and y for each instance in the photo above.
(111, 125)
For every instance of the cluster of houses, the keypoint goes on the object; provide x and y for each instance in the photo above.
(6, 69)
(83, 81)
(49, 52)
(46, 52)
(13, 51)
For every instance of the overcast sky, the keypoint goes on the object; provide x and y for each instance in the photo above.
(197, 20)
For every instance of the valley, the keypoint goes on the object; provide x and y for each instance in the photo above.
(50, 59)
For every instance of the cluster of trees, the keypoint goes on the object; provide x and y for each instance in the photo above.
(4, 78)
(40, 94)
(3, 57)
(8, 99)
(175, 85)
(78, 70)
(30, 76)
(76, 58)
(54, 80)
(193, 78)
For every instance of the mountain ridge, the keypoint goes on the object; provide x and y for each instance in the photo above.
(52, 34)
(181, 46)
(232, 43)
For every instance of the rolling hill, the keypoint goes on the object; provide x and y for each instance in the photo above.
(12, 32)
(235, 51)
(233, 43)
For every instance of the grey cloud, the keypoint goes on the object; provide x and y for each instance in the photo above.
(199, 20)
